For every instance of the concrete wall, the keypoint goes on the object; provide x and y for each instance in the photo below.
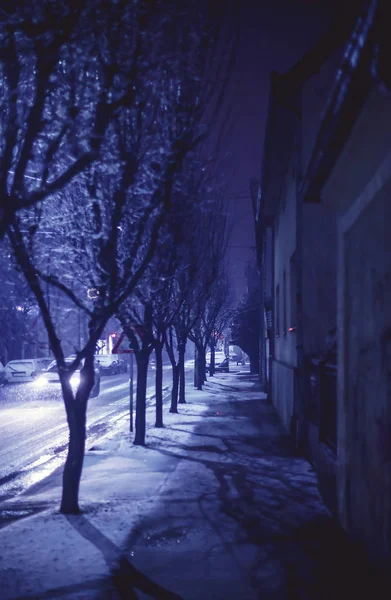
(324, 459)
(285, 353)
(283, 392)
(319, 281)
(366, 411)
(284, 247)
(360, 189)
(267, 264)
(319, 316)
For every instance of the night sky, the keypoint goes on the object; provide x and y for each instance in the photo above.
(274, 35)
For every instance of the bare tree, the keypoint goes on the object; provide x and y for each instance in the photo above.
(166, 305)
(138, 327)
(123, 129)
(183, 295)
(217, 317)
(172, 280)
(18, 312)
(185, 292)
(246, 324)
(192, 283)
(157, 301)
(214, 309)
(59, 93)
(212, 287)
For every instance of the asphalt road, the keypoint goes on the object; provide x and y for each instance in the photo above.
(34, 431)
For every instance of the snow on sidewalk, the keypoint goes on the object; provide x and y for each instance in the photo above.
(215, 507)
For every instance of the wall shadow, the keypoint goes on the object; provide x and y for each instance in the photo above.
(269, 498)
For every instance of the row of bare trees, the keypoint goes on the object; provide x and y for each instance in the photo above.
(184, 294)
(103, 197)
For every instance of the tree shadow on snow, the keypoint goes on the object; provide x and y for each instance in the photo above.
(268, 498)
(124, 576)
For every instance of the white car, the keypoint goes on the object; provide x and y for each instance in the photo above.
(24, 370)
(219, 357)
(49, 380)
(110, 364)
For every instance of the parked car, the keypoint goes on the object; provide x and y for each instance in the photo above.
(110, 364)
(23, 370)
(46, 361)
(236, 355)
(123, 365)
(49, 380)
(219, 357)
(2, 373)
(223, 367)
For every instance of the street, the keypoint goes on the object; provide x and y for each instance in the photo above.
(34, 431)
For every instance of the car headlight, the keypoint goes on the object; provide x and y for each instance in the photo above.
(75, 380)
(40, 382)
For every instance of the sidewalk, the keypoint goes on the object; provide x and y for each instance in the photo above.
(216, 507)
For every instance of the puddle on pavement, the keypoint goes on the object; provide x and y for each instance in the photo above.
(173, 535)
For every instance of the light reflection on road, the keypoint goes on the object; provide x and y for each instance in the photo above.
(34, 431)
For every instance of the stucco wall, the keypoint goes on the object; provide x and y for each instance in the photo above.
(284, 247)
(366, 410)
(283, 390)
(319, 281)
(360, 190)
(285, 343)
(361, 156)
(325, 461)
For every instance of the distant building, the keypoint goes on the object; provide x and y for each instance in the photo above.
(323, 221)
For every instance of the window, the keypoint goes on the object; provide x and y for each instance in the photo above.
(293, 293)
(284, 319)
(277, 321)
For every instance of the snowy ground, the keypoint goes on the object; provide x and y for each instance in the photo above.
(216, 507)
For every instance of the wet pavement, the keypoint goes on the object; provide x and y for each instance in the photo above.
(34, 431)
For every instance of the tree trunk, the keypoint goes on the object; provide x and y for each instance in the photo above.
(169, 343)
(159, 384)
(254, 364)
(196, 369)
(76, 409)
(174, 391)
(76, 416)
(201, 366)
(74, 463)
(181, 366)
(212, 369)
(141, 405)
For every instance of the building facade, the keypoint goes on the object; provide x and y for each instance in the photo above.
(323, 220)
